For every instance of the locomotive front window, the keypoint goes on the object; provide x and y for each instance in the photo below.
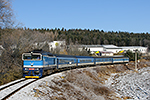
(29, 56)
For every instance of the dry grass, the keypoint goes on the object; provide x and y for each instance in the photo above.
(89, 81)
(57, 98)
(55, 88)
(101, 90)
(38, 93)
(67, 86)
(90, 75)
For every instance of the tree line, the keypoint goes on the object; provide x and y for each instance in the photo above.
(85, 36)
(97, 37)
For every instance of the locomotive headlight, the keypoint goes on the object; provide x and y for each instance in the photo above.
(36, 68)
(26, 68)
(70, 63)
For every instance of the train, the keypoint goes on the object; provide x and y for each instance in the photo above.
(38, 63)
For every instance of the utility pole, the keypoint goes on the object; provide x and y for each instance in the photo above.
(136, 59)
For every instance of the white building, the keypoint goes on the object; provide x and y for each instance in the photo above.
(102, 48)
(95, 48)
(55, 44)
(111, 48)
(106, 53)
(92, 48)
(133, 48)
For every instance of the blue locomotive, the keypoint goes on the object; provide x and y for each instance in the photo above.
(38, 63)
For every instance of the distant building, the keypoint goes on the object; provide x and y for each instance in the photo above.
(133, 48)
(92, 48)
(56, 44)
(51, 45)
(102, 48)
(105, 53)
(111, 48)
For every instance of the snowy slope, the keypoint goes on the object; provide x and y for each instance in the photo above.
(131, 84)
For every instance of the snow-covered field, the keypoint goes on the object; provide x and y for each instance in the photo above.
(135, 85)
(88, 84)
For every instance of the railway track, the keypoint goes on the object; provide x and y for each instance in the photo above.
(9, 89)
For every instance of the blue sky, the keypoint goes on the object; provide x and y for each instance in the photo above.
(108, 15)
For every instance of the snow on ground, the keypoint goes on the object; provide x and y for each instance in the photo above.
(9, 90)
(135, 85)
(29, 92)
(54, 87)
(88, 84)
(11, 83)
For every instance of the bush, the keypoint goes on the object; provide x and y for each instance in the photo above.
(131, 55)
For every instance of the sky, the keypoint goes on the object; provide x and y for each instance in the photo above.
(108, 15)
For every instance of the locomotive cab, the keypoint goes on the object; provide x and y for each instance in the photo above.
(31, 56)
(32, 65)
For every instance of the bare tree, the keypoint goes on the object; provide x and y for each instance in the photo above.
(73, 50)
(6, 14)
(15, 42)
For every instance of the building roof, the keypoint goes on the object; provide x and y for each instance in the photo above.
(111, 47)
(88, 46)
(105, 51)
(133, 47)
